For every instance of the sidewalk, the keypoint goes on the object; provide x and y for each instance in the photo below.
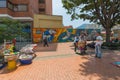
(59, 62)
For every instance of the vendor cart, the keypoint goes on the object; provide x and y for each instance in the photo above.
(82, 47)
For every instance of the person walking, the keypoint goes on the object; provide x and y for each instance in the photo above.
(76, 39)
(99, 41)
(14, 41)
(45, 41)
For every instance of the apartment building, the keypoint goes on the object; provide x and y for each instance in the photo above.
(24, 10)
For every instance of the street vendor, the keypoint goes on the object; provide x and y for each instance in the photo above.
(14, 41)
(82, 43)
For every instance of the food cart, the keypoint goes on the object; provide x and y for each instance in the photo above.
(82, 47)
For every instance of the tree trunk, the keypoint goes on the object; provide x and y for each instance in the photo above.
(108, 34)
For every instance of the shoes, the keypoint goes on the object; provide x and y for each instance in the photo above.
(97, 57)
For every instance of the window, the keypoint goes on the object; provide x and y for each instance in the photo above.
(15, 8)
(3, 3)
(42, 10)
(20, 7)
(10, 5)
(41, 1)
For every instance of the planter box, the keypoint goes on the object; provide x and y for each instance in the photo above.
(113, 48)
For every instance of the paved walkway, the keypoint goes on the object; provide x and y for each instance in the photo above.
(59, 62)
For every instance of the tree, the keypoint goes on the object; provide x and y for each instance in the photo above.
(103, 12)
(10, 29)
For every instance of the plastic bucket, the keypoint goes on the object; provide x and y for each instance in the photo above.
(27, 61)
(11, 62)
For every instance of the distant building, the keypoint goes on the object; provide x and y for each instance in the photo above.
(89, 26)
(116, 27)
(90, 29)
(116, 30)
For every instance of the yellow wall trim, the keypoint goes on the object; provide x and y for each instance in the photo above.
(47, 21)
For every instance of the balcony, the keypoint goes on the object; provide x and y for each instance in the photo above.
(41, 5)
(22, 14)
(20, 1)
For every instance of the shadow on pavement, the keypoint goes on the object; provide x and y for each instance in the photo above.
(5, 70)
(101, 68)
(41, 48)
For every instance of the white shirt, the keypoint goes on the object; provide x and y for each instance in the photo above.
(99, 40)
(76, 39)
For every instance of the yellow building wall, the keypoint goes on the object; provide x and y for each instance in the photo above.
(47, 21)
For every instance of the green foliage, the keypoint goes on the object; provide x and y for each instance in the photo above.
(111, 46)
(104, 12)
(10, 29)
(93, 10)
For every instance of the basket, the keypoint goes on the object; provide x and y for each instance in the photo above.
(26, 61)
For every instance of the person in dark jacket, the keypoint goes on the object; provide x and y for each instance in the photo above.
(45, 41)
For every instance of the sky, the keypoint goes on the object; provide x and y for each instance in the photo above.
(59, 10)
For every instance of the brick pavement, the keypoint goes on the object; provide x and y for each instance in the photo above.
(59, 62)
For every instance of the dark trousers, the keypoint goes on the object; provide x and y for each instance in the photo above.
(46, 44)
(75, 47)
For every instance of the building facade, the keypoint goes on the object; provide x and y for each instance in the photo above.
(24, 10)
(47, 21)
